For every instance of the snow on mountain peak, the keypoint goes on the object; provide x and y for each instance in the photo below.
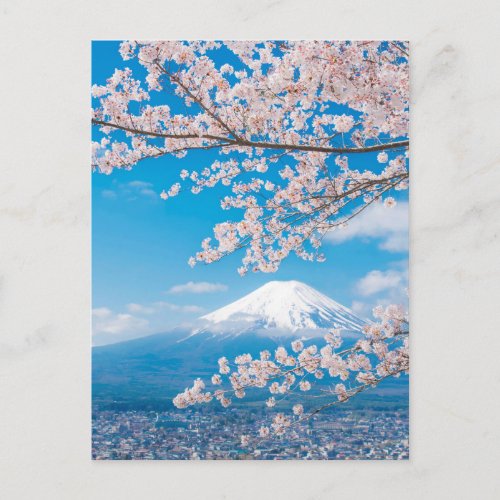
(284, 305)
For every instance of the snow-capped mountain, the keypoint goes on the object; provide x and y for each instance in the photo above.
(287, 306)
(163, 364)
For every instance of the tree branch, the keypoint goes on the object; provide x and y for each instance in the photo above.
(257, 144)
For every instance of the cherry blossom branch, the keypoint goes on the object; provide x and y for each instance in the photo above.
(258, 144)
(385, 342)
(282, 97)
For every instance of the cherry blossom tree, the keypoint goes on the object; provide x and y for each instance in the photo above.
(288, 119)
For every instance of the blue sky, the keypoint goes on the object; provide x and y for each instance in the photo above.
(141, 244)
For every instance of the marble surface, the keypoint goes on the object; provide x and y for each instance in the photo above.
(45, 249)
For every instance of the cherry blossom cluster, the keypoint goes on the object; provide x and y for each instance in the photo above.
(285, 118)
(382, 352)
(279, 220)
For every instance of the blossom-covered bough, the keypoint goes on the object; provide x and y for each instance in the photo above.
(288, 121)
(382, 352)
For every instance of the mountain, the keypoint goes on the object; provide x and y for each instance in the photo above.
(149, 371)
(282, 306)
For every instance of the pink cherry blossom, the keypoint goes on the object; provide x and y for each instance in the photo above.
(382, 352)
(343, 123)
(389, 202)
(276, 108)
(382, 157)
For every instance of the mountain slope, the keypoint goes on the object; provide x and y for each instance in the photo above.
(283, 305)
(149, 371)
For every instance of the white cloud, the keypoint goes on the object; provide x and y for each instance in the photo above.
(397, 242)
(139, 308)
(360, 308)
(141, 188)
(108, 194)
(110, 327)
(198, 287)
(179, 308)
(101, 312)
(136, 189)
(162, 305)
(107, 322)
(387, 224)
(381, 288)
(377, 281)
(131, 191)
(139, 184)
(148, 192)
